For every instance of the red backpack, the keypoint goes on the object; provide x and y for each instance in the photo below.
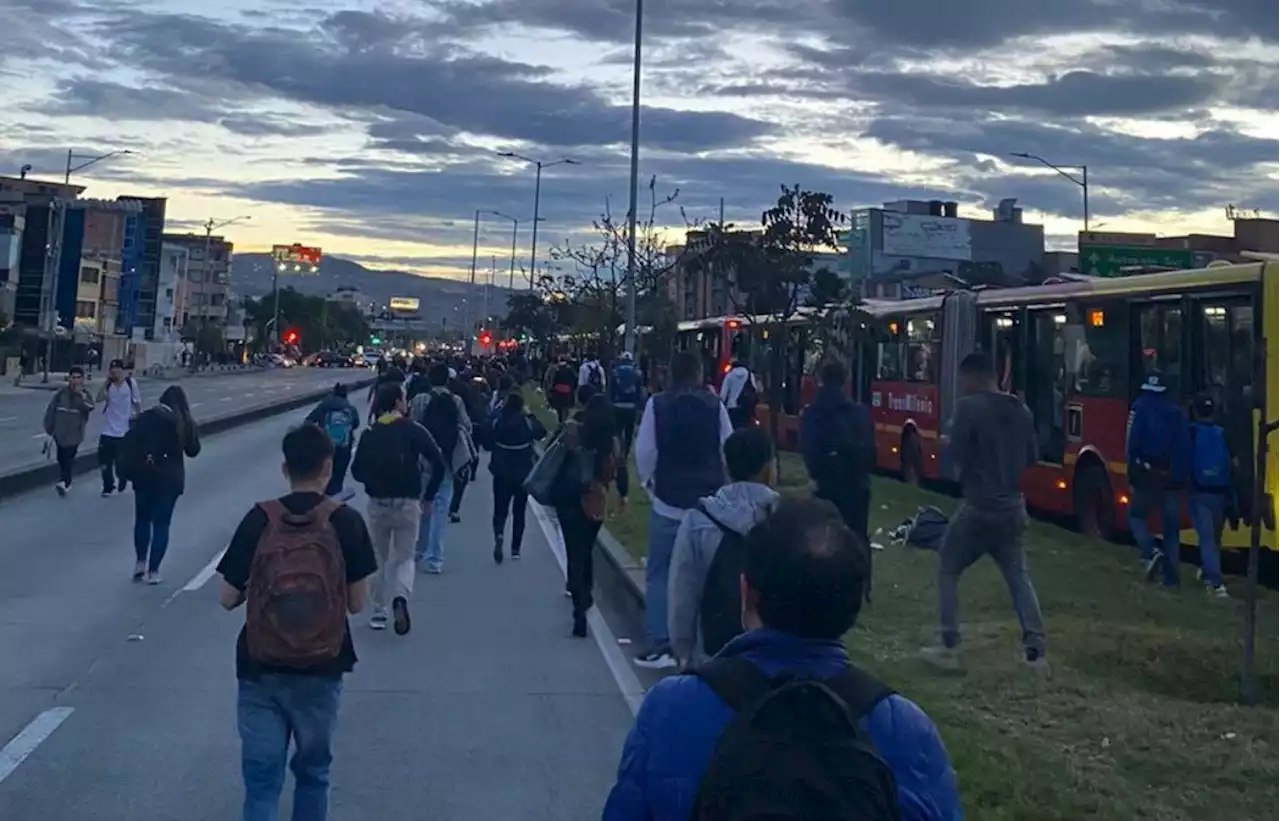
(297, 592)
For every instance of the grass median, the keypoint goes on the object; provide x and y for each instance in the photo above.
(1138, 721)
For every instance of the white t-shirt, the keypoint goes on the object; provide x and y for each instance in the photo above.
(119, 409)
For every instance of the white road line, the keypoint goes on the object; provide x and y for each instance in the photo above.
(226, 399)
(4, 419)
(39, 436)
(250, 393)
(31, 737)
(195, 404)
(626, 679)
(198, 580)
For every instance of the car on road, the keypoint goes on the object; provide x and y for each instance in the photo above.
(331, 359)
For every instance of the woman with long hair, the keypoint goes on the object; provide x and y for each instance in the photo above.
(161, 437)
(511, 438)
(592, 430)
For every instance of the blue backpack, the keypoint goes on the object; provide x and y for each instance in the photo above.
(338, 424)
(1210, 458)
(626, 385)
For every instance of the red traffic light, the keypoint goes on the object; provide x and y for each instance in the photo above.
(485, 338)
(291, 337)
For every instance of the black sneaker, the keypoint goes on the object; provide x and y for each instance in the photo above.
(580, 625)
(400, 615)
(455, 518)
(497, 549)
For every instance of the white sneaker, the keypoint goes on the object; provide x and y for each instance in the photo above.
(61, 488)
(1219, 592)
(378, 622)
(654, 660)
(153, 578)
(1152, 565)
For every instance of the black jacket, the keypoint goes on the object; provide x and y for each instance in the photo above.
(160, 431)
(511, 443)
(387, 460)
(837, 439)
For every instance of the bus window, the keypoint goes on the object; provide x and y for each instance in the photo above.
(1046, 395)
(1096, 349)
(1003, 342)
(922, 348)
(1159, 334)
(889, 354)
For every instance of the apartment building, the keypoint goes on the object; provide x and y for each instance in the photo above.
(207, 279)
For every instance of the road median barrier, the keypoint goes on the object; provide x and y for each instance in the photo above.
(43, 474)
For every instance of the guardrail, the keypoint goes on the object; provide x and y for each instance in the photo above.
(44, 474)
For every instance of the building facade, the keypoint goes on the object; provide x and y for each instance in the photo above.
(140, 280)
(207, 279)
(13, 222)
(171, 298)
(32, 200)
(915, 237)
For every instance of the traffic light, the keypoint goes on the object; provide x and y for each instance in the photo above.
(485, 338)
(291, 337)
(375, 340)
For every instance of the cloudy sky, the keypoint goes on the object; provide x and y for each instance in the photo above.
(371, 128)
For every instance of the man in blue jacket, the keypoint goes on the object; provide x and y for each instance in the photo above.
(1159, 463)
(802, 590)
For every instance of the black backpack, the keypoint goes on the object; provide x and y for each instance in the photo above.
(443, 421)
(793, 749)
(749, 397)
(720, 609)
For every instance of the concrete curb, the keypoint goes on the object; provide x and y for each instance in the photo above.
(628, 571)
(46, 473)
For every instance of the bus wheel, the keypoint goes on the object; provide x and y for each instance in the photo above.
(1095, 508)
(912, 459)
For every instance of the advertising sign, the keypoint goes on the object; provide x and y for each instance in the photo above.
(296, 257)
(408, 304)
(1127, 239)
(919, 235)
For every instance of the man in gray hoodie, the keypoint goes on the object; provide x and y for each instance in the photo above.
(738, 506)
(65, 420)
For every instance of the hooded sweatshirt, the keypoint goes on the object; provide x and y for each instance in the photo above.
(67, 415)
(739, 506)
(992, 441)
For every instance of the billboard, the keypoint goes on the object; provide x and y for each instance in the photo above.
(409, 304)
(296, 257)
(920, 235)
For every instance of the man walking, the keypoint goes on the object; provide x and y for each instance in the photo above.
(445, 416)
(992, 441)
(336, 416)
(121, 404)
(831, 742)
(679, 461)
(65, 419)
(299, 563)
(387, 463)
(1159, 467)
(837, 439)
(740, 393)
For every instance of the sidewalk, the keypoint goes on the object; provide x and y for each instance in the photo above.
(163, 374)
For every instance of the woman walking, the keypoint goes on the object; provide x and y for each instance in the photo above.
(593, 431)
(511, 440)
(160, 439)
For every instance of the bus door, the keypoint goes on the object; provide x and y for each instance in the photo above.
(1046, 379)
(1000, 337)
(1221, 367)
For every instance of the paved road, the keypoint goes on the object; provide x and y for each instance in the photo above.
(22, 409)
(488, 710)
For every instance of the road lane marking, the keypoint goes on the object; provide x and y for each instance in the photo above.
(250, 393)
(226, 399)
(206, 573)
(31, 737)
(195, 404)
(4, 419)
(626, 679)
(39, 436)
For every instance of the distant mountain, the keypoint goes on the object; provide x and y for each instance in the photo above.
(439, 298)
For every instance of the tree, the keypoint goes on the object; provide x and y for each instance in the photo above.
(321, 324)
(529, 314)
(590, 302)
(771, 274)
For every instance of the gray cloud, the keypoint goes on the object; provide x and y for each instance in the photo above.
(466, 91)
(81, 97)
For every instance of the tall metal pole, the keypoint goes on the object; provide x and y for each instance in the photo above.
(533, 249)
(630, 341)
(475, 247)
(57, 226)
(1084, 184)
(66, 178)
(511, 275)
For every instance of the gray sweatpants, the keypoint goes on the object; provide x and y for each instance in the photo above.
(971, 534)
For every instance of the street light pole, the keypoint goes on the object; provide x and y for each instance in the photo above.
(71, 157)
(475, 248)
(1082, 181)
(630, 339)
(537, 201)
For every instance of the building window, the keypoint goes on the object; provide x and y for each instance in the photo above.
(217, 299)
(89, 275)
(86, 309)
(168, 293)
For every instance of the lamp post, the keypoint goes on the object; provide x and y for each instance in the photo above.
(475, 248)
(90, 159)
(1082, 181)
(537, 197)
(515, 229)
(210, 226)
(630, 338)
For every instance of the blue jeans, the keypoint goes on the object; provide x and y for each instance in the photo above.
(271, 710)
(1208, 510)
(662, 542)
(152, 515)
(1144, 501)
(430, 550)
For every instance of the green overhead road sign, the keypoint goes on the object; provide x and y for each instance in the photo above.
(1110, 260)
